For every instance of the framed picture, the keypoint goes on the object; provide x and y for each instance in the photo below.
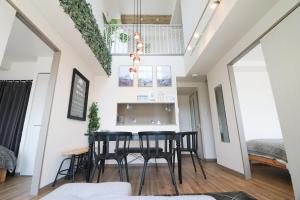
(78, 96)
(164, 76)
(145, 76)
(125, 79)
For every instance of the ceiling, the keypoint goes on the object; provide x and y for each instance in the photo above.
(23, 45)
(147, 19)
(115, 8)
(238, 22)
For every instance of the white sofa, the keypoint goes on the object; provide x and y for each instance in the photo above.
(108, 191)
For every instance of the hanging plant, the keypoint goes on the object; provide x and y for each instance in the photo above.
(123, 37)
(81, 14)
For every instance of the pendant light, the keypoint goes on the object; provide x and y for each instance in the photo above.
(138, 45)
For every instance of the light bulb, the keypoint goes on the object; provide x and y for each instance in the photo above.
(140, 51)
(215, 4)
(189, 48)
(136, 35)
(139, 44)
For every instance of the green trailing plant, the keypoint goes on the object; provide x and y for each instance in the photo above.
(81, 14)
(123, 37)
(94, 118)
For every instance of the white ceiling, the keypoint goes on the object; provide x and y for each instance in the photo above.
(23, 45)
(115, 8)
(239, 21)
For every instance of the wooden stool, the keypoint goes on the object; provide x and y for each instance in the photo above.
(72, 156)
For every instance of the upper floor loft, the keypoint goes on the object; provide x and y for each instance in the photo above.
(159, 39)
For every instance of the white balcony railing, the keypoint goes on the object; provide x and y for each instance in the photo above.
(158, 39)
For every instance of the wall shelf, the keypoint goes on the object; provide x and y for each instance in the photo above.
(144, 114)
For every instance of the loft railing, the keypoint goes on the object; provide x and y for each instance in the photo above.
(158, 39)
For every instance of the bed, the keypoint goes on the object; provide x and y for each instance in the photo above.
(267, 151)
(7, 162)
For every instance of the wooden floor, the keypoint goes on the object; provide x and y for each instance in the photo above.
(267, 182)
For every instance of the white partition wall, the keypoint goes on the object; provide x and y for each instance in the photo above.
(281, 48)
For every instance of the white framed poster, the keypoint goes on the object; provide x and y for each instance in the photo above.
(125, 79)
(145, 76)
(164, 76)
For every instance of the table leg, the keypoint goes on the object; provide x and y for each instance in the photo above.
(89, 162)
(179, 160)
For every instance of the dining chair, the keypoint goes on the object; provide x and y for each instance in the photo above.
(189, 143)
(111, 146)
(149, 144)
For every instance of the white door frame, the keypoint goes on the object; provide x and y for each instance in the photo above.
(36, 177)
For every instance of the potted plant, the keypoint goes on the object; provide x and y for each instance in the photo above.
(94, 118)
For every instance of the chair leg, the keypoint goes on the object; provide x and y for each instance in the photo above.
(143, 177)
(172, 177)
(103, 166)
(199, 161)
(193, 161)
(99, 170)
(126, 169)
(120, 170)
(173, 161)
(62, 162)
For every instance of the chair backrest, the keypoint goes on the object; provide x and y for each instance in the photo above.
(150, 140)
(106, 143)
(189, 140)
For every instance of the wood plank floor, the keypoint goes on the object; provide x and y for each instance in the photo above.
(267, 182)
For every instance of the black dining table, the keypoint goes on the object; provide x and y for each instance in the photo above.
(135, 137)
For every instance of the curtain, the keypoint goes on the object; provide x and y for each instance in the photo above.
(14, 96)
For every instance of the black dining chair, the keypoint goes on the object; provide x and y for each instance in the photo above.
(189, 143)
(111, 146)
(149, 144)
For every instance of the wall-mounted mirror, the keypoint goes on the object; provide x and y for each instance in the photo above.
(222, 114)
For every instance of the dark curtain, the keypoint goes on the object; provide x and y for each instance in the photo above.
(14, 96)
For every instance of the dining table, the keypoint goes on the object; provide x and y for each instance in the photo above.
(135, 137)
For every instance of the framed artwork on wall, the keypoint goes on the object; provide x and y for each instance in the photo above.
(145, 76)
(125, 79)
(164, 76)
(78, 96)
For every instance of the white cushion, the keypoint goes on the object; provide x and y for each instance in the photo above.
(185, 197)
(78, 191)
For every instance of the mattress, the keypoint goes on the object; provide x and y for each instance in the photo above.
(269, 148)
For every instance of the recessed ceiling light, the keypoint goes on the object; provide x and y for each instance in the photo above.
(189, 48)
(195, 75)
(196, 35)
(215, 4)
(157, 19)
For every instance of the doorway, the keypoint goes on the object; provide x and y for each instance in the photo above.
(189, 115)
(257, 117)
(27, 59)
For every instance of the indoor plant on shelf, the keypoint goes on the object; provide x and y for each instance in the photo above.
(94, 118)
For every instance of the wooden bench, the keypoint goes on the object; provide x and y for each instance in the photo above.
(72, 155)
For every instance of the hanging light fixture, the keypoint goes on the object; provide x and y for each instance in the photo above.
(137, 45)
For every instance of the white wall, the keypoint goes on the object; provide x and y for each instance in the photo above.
(191, 11)
(185, 123)
(108, 93)
(228, 154)
(256, 100)
(281, 48)
(7, 16)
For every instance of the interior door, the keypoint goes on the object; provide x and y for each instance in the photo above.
(196, 122)
(281, 48)
(34, 124)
